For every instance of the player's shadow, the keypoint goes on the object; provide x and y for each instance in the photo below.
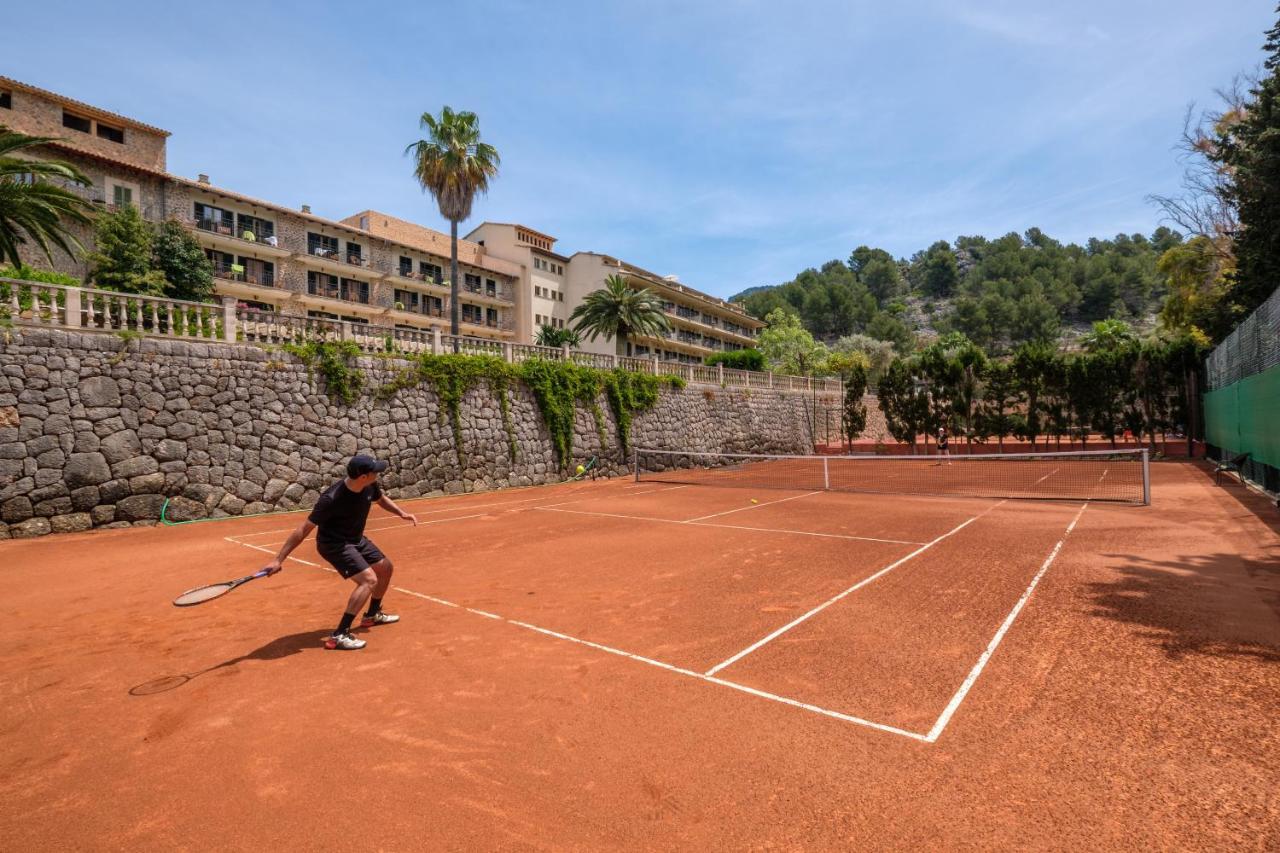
(281, 647)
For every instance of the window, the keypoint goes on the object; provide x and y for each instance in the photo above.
(410, 300)
(560, 295)
(254, 229)
(221, 262)
(258, 272)
(491, 317)
(473, 314)
(472, 282)
(210, 218)
(121, 196)
(364, 223)
(431, 272)
(114, 134)
(355, 291)
(76, 122)
(323, 245)
(406, 266)
(6, 100)
(322, 284)
(355, 254)
(490, 287)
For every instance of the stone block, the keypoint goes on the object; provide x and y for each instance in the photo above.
(135, 467)
(16, 509)
(121, 446)
(30, 528)
(139, 507)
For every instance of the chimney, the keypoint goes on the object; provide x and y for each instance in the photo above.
(202, 179)
(306, 208)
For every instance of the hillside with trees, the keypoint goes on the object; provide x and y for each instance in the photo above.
(1000, 293)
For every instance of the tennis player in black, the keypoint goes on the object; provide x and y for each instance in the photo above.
(340, 514)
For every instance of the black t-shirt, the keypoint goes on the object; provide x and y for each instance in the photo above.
(341, 513)
(942, 441)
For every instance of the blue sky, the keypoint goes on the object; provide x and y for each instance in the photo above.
(731, 143)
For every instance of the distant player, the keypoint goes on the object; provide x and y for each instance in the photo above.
(943, 450)
(341, 513)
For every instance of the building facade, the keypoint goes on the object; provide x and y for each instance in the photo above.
(367, 268)
(269, 257)
(556, 284)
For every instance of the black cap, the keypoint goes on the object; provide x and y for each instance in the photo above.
(364, 464)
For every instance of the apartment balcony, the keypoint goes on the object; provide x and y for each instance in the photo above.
(243, 274)
(418, 278)
(338, 263)
(339, 293)
(222, 236)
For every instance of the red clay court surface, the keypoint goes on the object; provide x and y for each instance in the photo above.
(623, 665)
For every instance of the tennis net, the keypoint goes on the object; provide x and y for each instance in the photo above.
(1096, 475)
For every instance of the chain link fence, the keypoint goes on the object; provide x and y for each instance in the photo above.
(1242, 405)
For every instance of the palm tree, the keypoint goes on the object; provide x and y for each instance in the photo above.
(453, 165)
(550, 336)
(618, 311)
(31, 208)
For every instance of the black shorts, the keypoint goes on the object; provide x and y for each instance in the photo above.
(351, 559)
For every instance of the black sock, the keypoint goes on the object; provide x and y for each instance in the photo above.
(375, 604)
(345, 625)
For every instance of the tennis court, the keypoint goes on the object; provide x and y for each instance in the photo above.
(664, 664)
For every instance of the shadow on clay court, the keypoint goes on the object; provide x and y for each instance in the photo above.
(281, 647)
(1203, 604)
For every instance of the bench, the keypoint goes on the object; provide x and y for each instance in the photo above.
(1232, 465)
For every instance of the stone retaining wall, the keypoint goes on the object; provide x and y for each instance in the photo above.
(98, 432)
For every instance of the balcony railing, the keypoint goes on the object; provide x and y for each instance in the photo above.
(245, 235)
(245, 274)
(26, 303)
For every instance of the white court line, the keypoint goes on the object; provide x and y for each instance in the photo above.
(725, 526)
(795, 703)
(376, 529)
(1047, 476)
(424, 512)
(752, 506)
(626, 494)
(830, 601)
(936, 731)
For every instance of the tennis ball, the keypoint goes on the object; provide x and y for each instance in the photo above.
(580, 469)
(753, 500)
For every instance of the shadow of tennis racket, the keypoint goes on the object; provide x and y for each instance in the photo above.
(281, 647)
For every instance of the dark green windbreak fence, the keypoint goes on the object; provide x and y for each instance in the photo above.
(1242, 405)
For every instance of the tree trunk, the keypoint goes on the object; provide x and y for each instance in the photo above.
(453, 282)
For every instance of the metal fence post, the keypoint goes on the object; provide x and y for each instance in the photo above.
(73, 307)
(228, 318)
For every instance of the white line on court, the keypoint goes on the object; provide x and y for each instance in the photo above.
(1047, 476)
(376, 529)
(830, 601)
(425, 512)
(726, 526)
(752, 506)
(936, 731)
(773, 697)
(625, 494)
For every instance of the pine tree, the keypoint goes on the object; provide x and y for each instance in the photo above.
(1251, 149)
(122, 260)
(181, 260)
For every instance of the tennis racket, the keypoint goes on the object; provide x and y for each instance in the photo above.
(201, 594)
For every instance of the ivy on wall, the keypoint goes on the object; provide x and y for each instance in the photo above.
(557, 386)
(334, 360)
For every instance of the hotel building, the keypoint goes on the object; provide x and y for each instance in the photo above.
(367, 268)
